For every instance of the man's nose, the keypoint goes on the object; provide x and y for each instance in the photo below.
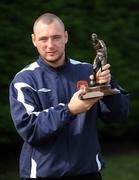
(50, 43)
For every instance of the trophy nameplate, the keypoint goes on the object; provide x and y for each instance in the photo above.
(94, 89)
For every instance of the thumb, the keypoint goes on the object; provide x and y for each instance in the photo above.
(80, 91)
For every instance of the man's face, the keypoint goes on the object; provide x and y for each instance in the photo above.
(50, 40)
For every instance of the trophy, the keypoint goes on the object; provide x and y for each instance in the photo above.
(95, 89)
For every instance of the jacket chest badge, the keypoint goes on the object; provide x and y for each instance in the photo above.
(82, 84)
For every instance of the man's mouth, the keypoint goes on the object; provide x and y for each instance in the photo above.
(51, 52)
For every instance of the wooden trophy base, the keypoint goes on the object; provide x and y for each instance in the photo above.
(99, 91)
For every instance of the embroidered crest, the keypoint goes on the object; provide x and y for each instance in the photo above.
(82, 84)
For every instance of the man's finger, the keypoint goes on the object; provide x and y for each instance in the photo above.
(105, 67)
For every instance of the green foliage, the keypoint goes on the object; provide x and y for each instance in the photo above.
(121, 166)
(116, 22)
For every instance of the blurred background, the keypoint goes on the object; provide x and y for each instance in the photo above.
(115, 22)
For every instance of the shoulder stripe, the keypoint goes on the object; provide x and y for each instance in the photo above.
(21, 98)
(31, 67)
(77, 62)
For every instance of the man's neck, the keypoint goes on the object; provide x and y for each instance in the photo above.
(57, 63)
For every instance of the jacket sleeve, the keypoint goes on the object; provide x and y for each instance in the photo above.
(115, 107)
(33, 124)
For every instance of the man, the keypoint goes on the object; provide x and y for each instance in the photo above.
(58, 128)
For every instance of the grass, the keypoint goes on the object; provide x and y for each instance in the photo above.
(121, 167)
(120, 164)
(122, 159)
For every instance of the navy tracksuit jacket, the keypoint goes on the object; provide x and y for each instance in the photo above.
(56, 143)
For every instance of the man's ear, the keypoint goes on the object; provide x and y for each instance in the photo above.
(66, 36)
(33, 39)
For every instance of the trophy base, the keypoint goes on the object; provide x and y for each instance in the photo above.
(99, 91)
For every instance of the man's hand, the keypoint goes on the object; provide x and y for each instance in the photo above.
(76, 105)
(103, 76)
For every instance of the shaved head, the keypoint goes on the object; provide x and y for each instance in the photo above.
(49, 37)
(48, 18)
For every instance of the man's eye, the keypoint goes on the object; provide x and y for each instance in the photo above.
(57, 37)
(43, 40)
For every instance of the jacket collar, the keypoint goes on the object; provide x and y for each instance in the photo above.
(45, 65)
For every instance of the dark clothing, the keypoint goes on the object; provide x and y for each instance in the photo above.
(92, 176)
(56, 143)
